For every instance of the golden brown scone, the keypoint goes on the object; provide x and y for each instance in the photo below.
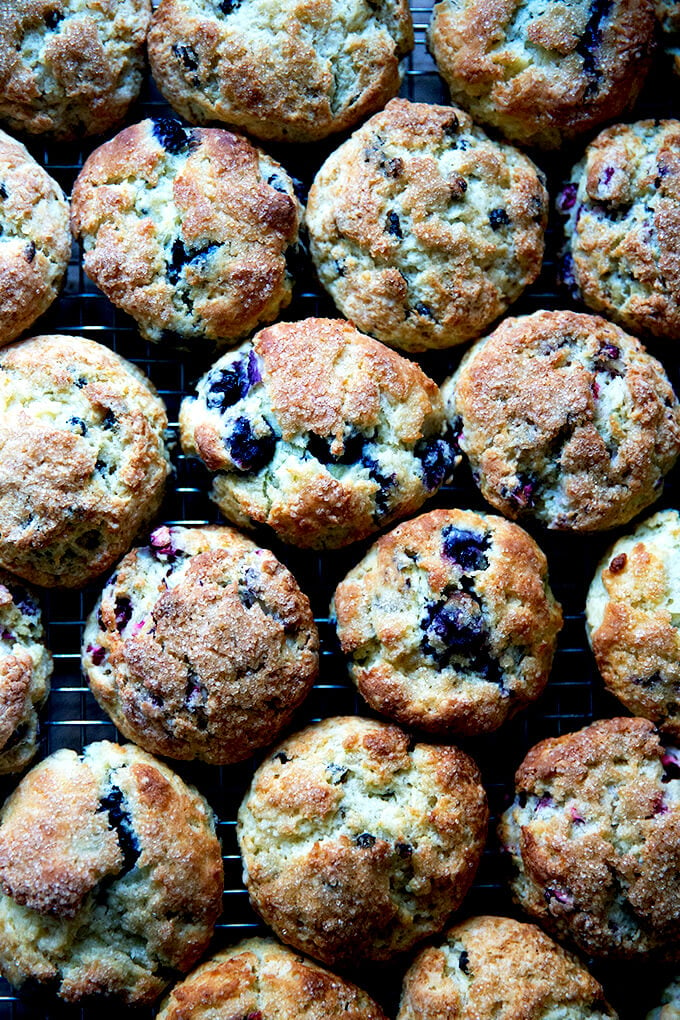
(565, 418)
(424, 230)
(594, 834)
(188, 231)
(356, 843)
(318, 431)
(262, 980)
(449, 622)
(201, 645)
(111, 875)
(83, 460)
(494, 968)
(70, 67)
(284, 70)
(543, 73)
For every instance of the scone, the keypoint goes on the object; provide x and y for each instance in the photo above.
(494, 968)
(623, 213)
(632, 620)
(543, 73)
(70, 67)
(423, 230)
(188, 230)
(83, 460)
(111, 875)
(318, 431)
(449, 623)
(289, 71)
(670, 1003)
(201, 645)
(25, 670)
(35, 239)
(358, 843)
(594, 834)
(259, 979)
(565, 418)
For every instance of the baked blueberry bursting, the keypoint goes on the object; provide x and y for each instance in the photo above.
(187, 56)
(437, 455)
(53, 18)
(120, 821)
(365, 840)
(123, 611)
(180, 257)
(465, 548)
(386, 483)
(173, 137)
(353, 447)
(591, 40)
(393, 224)
(498, 218)
(229, 385)
(249, 452)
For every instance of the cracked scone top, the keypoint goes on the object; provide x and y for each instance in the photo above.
(424, 230)
(495, 967)
(449, 623)
(670, 1003)
(356, 843)
(543, 73)
(188, 231)
(594, 834)
(70, 67)
(260, 979)
(83, 460)
(565, 418)
(318, 431)
(287, 71)
(623, 214)
(201, 645)
(111, 875)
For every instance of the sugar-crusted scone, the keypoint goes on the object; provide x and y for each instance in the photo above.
(622, 205)
(449, 623)
(187, 230)
(543, 73)
(35, 238)
(83, 460)
(318, 431)
(358, 843)
(670, 1003)
(632, 623)
(111, 875)
(495, 968)
(70, 67)
(594, 834)
(424, 230)
(565, 418)
(201, 645)
(25, 670)
(260, 979)
(285, 71)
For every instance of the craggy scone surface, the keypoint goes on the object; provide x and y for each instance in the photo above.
(449, 623)
(83, 460)
(294, 71)
(201, 645)
(424, 230)
(622, 204)
(318, 431)
(670, 1003)
(497, 967)
(262, 980)
(70, 67)
(594, 834)
(111, 875)
(356, 843)
(35, 239)
(565, 418)
(543, 72)
(187, 230)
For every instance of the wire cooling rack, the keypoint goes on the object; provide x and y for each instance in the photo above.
(574, 696)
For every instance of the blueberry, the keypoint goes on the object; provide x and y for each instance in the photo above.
(109, 420)
(186, 55)
(463, 962)
(52, 18)
(97, 654)
(403, 850)
(227, 6)
(282, 757)
(437, 455)
(320, 448)
(465, 547)
(247, 598)
(393, 224)
(173, 136)
(392, 167)
(591, 39)
(336, 773)
(3, 192)
(120, 821)
(29, 251)
(227, 386)
(364, 840)
(422, 309)
(523, 494)
(79, 425)
(451, 127)
(123, 612)
(455, 626)
(566, 198)
(249, 452)
(498, 218)
(671, 766)
(162, 544)
(181, 257)
(386, 483)
(276, 182)
(254, 372)
(340, 267)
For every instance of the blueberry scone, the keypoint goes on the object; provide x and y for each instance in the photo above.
(543, 73)
(358, 843)
(286, 71)
(189, 230)
(670, 1003)
(594, 834)
(111, 875)
(70, 67)
(449, 623)
(318, 431)
(201, 645)
(424, 230)
(83, 460)
(565, 418)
